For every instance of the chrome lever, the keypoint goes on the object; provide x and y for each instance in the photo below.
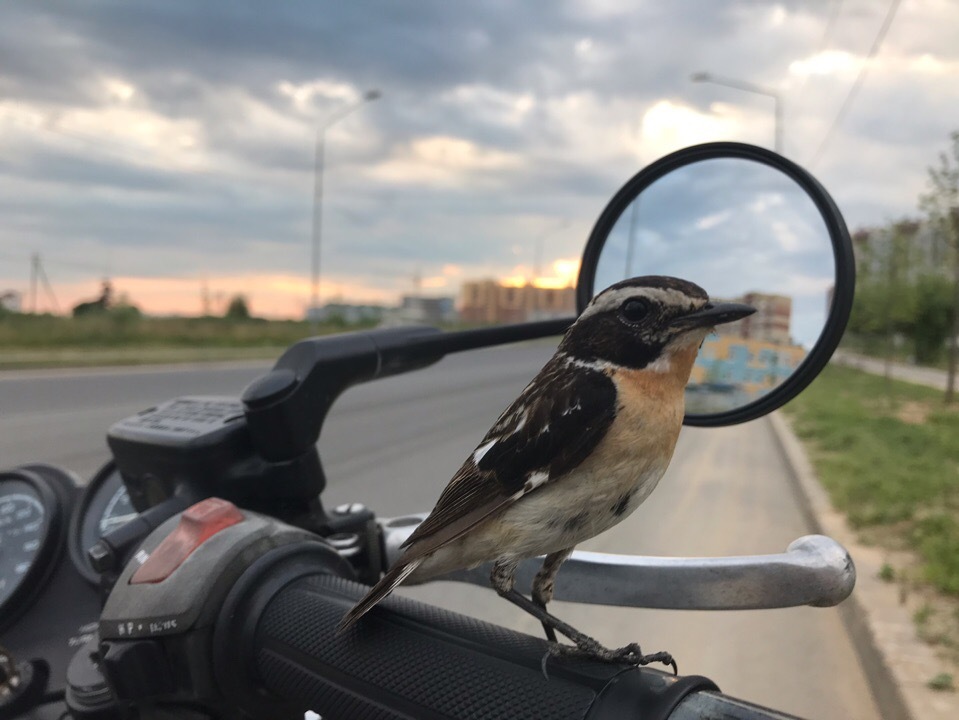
(815, 570)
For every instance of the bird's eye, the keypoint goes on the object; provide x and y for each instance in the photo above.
(634, 310)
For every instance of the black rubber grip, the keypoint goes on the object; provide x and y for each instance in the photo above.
(413, 661)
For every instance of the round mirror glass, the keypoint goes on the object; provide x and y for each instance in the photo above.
(745, 232)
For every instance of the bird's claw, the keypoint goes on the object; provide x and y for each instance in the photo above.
(630, 654)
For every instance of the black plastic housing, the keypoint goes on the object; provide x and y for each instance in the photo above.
(259, 451)
(286, 408)
(845, 275)
(204, 444)
(278, 654)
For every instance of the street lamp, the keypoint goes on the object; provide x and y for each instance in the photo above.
(753, 88)
(538, 257)
(368, 96)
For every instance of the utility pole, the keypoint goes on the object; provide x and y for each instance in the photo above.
(705, 77)
(34, 263)
(318, 166)
(37, 273)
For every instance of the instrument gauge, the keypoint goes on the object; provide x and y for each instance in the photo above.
(104, 507)
(31, 535)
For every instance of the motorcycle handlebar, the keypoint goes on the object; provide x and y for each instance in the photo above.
(278, 654)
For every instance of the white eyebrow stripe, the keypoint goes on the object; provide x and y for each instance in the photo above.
(612, 299)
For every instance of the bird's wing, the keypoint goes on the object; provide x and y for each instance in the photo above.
(548, 430)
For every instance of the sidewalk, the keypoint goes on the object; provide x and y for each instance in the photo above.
(917, 374)
(879, 619)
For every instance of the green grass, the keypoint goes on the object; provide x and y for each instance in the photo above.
(26, 332)
(28, 341)
(888, 454)
(942, 682)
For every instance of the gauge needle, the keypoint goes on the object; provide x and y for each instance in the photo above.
(112, 523)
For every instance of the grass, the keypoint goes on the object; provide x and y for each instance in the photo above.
(28, 341)
(941, 682)
(26, 332)
(888, 454)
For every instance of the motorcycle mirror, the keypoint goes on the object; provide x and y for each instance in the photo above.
(747, 225)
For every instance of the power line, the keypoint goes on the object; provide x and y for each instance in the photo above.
(860, 79)
(824, 43)
(830, 26)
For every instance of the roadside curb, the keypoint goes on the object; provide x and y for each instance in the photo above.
(896, 663)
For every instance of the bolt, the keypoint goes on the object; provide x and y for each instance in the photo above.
(101, 557)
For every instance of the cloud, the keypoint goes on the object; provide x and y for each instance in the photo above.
(442, 160)
(169, 138)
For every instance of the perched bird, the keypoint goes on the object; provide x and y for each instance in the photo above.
(581, 447)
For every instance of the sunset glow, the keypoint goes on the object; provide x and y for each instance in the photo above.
(281, 296)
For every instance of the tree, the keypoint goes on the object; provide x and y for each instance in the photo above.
(933, 303)
(941, 204)
(887, 271)
(238, 308)
(98, 306)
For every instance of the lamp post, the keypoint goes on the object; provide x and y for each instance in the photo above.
(368, 96)
(753, 88)
(538, 256)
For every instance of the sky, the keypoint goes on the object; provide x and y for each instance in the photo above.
(170, 145)
(734, 226)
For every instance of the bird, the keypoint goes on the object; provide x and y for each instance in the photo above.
(580, 448)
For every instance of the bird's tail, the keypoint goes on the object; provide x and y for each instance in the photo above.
(379, 591)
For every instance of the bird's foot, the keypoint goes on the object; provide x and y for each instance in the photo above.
(547, 628)
(630, 654)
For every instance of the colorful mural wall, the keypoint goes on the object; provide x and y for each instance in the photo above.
(746, 366)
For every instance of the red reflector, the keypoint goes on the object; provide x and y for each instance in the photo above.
(197, 524)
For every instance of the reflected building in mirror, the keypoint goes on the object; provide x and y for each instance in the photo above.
(746, 359)
(770, 322)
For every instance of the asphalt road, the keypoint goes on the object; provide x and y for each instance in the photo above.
(393, 444)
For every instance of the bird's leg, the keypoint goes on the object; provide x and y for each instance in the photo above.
(543, 584)
(502, 579)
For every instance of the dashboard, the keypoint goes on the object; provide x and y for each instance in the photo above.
(49, 592)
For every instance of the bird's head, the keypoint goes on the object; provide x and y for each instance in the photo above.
(646, 322)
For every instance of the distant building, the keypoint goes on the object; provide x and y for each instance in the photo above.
(922, 248)
(419, 310)
(345, 312)
(491, 302)
(770, 322)
(11, 301)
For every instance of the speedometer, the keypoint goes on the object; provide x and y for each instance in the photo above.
(31, 535)
(105, 506)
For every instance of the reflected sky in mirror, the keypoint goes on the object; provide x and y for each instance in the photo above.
(743, 231)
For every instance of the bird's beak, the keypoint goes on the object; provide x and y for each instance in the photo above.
(713, 314)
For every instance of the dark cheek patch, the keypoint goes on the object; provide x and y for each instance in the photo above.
(605, 338)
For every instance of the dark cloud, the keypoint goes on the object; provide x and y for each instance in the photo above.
(560, 92)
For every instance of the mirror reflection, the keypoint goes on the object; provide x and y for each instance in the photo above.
(746, 233)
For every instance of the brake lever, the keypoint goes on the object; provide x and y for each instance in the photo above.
(815, 570)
